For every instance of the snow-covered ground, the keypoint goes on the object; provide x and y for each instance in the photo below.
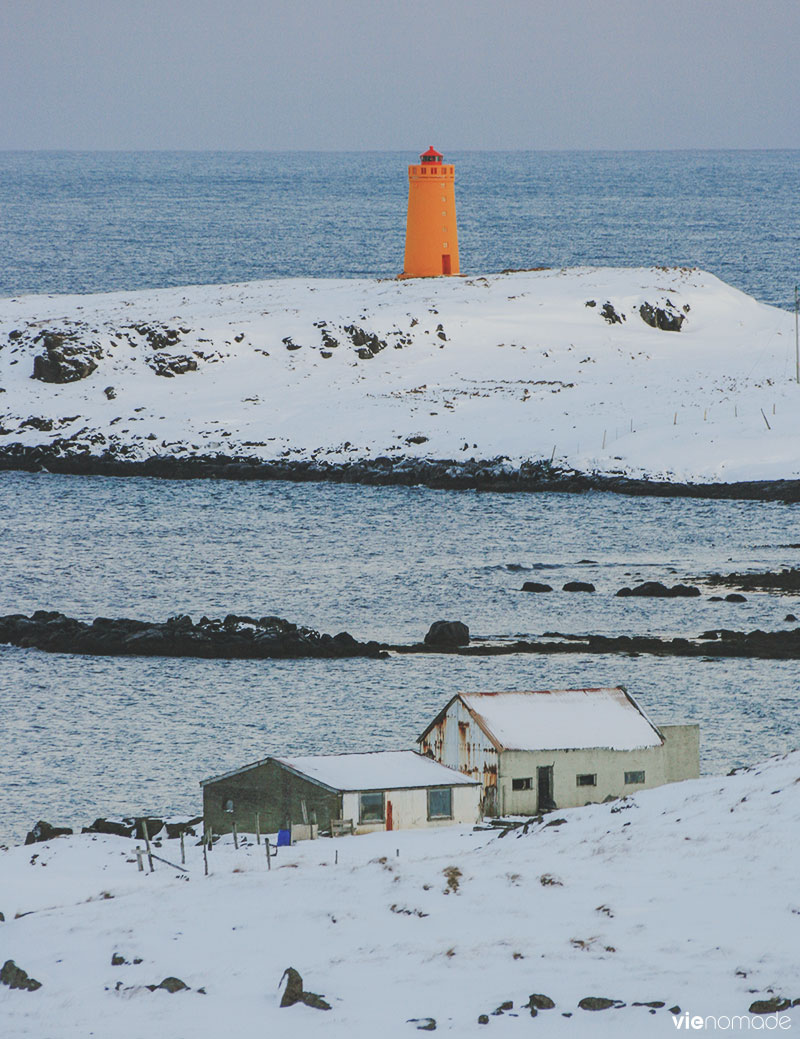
(687, 894)
(514, 365)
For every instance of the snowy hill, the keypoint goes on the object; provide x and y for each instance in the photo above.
(684, 896)
(564, 364)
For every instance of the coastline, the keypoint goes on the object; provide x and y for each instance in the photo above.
(491, 475)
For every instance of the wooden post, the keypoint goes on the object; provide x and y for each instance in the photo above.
(604, 440)
(258, 827)
(147, 845)
(765, 418)
(269, 856)
(205, 855)
(336, 858)
(235, 834)
(139, 862)
(183, 851)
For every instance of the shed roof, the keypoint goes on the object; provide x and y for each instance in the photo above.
(373, 770)
(560, 719)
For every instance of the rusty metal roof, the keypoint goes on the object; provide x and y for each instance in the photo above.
(559, 719)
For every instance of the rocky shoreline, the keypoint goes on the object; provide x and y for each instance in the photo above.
(238, 637)
(495, 474)
(233, 638)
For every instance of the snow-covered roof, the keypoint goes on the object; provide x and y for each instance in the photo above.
(562, 719)
(373, 770)
(376, 770)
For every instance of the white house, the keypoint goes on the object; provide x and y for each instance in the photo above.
(558, 748)
(382, 790)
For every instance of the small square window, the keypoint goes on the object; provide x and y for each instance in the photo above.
(634, 777)
(371, 808)
(586, 779)
(522, 784)
(440, 803)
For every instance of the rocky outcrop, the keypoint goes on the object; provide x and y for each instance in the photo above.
(65, 359)
(16, 977)
(657, 590)
(232, 638)
(536, 586)
(786, 580)
(295, 993)
(578, 586)
(447, 633)
(81, 456)
(667, 318)
(43, 831)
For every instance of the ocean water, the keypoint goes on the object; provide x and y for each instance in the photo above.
(92, 222)
(83, 737)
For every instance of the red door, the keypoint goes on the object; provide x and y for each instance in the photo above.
(446, 263)
(389, 825)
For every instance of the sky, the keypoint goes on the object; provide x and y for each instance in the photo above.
(381, 74)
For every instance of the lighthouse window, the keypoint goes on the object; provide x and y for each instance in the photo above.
(422, 169)
(434, 170)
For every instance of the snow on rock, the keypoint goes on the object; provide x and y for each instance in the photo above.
(685, 895)
(662, 372)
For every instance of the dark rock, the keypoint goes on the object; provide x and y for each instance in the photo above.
(483, 1019)
(294, 992)
(419, 439)
(117, 960)
(424, 1024)
(675, 1010)
(535, 586)
(780, 581)
(110, 392)
(508, 1005)
(118, 829)
(655, 1004)
(169, 366)
(770, 1006)
(599, 1003)
(578, 586)
(657, 590)
(590, 303)
(233, 638)
(609, 313)
(185, 826)
(789, 618)
(154, 827)
(667, 318)
(43, 831)
(44, 425)
(540, 1002)
(65, 359)
(447, 633)
(16, 977)
(173, 985)
(735, 597)
(2, 919)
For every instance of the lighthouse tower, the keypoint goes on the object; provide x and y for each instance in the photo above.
(431, 234)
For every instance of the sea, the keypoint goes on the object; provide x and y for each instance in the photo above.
(85, 737)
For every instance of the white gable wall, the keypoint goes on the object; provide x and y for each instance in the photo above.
(410, 809)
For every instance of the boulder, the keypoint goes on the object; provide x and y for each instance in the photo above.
(657, 590)
(536, 586)
(735, 597)
(667, 318)
(16, 977)
(43, 831)
(64, 359)
(599, 1003)
(118, 829)
(447, 633)
(295, 993)
(540, 1002)
(770, 1006)
(578, 586)
(609, 313)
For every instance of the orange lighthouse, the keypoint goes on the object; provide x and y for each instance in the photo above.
(431, 234)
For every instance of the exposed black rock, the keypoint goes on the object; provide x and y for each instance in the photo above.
(765, 645)
(735, 597)
(578, 586)
(540, 1002)
(76, 457)
(16, 977)
(787, 580)
(447, 633)
(294, 992)
(599, 1003)
(118, 829)
(65, 359)
(774, 1005)
(169, 365)
(667, 318)
(657, 590)
(609, 313)
(536, 586)
(43, 831)
(232, 638)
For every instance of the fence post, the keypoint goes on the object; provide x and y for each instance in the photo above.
(235, 835)
(269, 856)
(147, 845)
(183, 851)
(258, 827)
(139, 862)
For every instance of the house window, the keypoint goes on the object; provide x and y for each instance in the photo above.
(227, 805)
(440, 803)
(522, 784)
(634, 777)
(587, 779)
(371, 808)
